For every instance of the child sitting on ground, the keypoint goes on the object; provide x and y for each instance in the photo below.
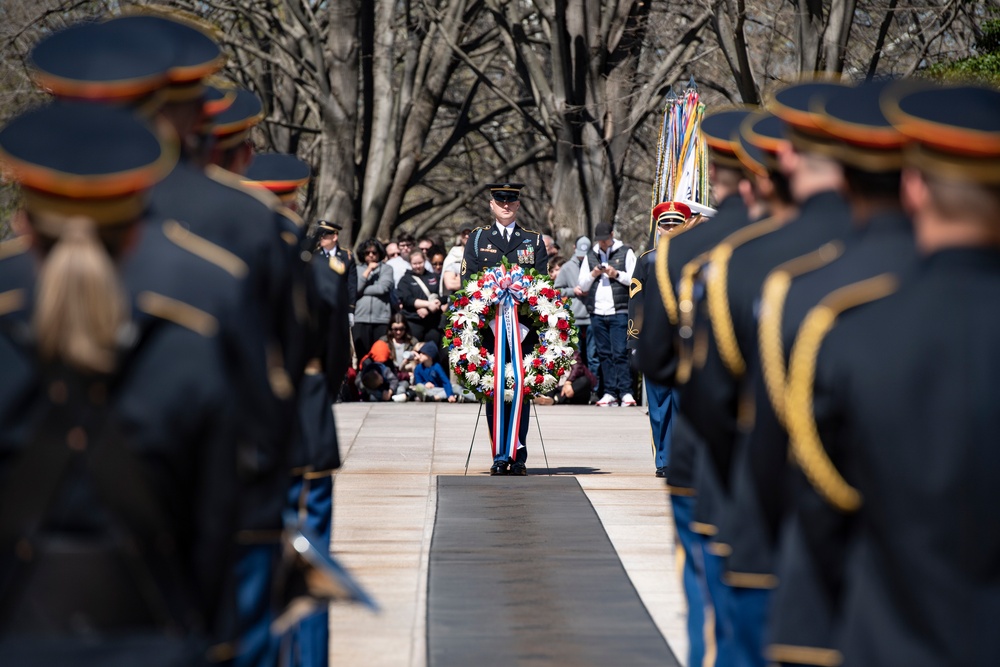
(429, 379)
(376, 380)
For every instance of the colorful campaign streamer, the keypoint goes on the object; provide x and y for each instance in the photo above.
(681, 154)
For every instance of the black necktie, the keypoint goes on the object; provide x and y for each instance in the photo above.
(506, 236)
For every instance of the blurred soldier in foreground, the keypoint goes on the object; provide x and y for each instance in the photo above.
(117, 476)
(315, 449)
(901, 463)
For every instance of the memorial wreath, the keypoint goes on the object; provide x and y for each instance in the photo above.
(497, 298)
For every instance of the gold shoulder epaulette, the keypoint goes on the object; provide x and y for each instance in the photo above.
(14, 246)
(228, 178)
(804, 440)
(772, 306)
(717, 293)
(202, 247)
(634, 287)
(663, 280)
(11, 300)
(291, 215)
(178, 312)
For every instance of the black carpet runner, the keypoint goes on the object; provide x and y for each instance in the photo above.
(523, 573)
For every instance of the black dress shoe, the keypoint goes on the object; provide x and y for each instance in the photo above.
(661, 472)
(518, 468)
(499, 468)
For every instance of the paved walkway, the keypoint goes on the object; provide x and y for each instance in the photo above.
(384, 508)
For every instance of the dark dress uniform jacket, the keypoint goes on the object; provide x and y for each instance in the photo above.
(905, 405)
(712, 396)
(657, 352)
(486, 246)
(214, 205)
(171, 404)
(328, 348)
(884, 243)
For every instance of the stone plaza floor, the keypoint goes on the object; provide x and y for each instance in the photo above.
(385, 503)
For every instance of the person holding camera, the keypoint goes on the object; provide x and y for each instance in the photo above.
(422, 304)
(605, 275)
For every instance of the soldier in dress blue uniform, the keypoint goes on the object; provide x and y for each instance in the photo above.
(715, 393)
(328, 245)
(902, 466)
(504, 237)
(870, 151)
(669, 217)
(679, 257)
(316, 452)
(117, 448)
(215, 218)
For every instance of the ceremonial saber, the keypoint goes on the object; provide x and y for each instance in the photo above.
(475, 428)
(539, 425)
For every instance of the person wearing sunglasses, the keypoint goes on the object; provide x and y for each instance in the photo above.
(372, 308)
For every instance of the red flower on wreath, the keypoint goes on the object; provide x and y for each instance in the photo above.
(562, 325)
(539, 379)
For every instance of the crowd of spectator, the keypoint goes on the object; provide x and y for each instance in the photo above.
(400, 313)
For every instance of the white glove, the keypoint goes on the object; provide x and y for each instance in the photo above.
(350, 319)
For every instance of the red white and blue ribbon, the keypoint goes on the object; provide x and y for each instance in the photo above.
(509, 290)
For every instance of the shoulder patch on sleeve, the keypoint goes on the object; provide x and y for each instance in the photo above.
(634, 288)
(201, 247)
(178, 312)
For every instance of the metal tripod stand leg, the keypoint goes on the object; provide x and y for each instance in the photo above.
(539, 426)
(469, 457)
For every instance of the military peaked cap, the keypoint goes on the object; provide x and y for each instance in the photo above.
(75, 158)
